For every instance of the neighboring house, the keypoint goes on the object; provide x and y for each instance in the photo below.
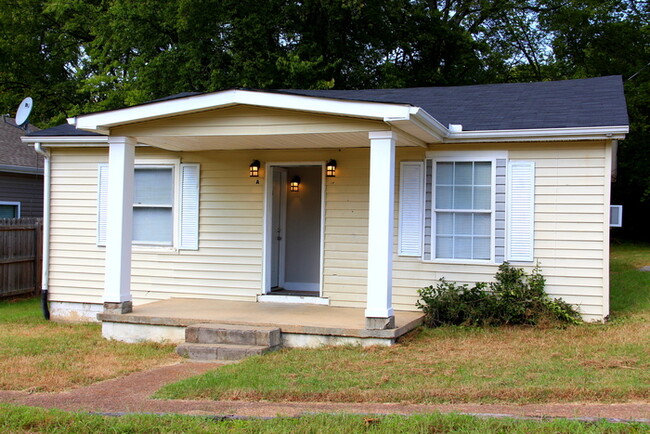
(429, 183)
(21, 173)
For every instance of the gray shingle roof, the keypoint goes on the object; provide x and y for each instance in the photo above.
(589, 102)
(62, 130)
(13, 152)
(586, 102)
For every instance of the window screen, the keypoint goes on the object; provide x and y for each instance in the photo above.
(153, 205)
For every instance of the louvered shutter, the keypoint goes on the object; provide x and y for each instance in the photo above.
(189, 218)
(102, 203)
(521, 210)
(411, 203)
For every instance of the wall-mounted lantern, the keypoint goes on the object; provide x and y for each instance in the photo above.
(294, 185)
(254, 169)
(330, 169)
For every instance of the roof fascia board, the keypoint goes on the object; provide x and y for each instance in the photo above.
(104, 120)
(21, 169)
(580, 133)
(66, 140)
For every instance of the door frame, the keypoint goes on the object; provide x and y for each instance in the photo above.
(268, 221)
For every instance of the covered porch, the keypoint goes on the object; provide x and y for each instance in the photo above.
(243, 121)
(301, 325)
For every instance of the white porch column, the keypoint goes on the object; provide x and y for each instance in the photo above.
(379, 306)
(119, 225)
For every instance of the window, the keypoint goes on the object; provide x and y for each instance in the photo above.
(463, 210)
(153, 203)
(9, 210)
(467, 206)
(165, 205)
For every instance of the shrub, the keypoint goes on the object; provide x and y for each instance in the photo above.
(513, 298)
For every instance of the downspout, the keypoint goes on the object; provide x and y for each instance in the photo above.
(46, 229)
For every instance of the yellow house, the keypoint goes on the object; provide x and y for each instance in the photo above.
(331, 199)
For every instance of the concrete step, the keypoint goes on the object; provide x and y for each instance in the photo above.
(220, 351)
(233, 334)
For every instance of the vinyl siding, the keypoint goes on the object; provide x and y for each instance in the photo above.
(571, 233)
(570, 228)
(23, 188)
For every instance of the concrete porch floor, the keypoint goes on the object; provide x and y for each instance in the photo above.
(301, 324)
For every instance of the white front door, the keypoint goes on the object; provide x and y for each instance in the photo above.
(278, 225)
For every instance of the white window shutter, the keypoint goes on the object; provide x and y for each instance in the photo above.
(102, 203)
(189, 218)
(521, 210)
(411, 204)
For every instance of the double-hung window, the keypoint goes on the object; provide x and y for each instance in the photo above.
(153, 205)
(463, 209)
(165, 204)
(467, 206)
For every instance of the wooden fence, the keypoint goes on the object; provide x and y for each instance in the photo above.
(21, 242)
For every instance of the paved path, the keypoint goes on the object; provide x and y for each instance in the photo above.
(131, 394)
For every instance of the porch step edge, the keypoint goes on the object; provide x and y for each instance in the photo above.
(197, 351)
(210, 333)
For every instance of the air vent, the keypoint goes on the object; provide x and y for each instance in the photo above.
(615, 216)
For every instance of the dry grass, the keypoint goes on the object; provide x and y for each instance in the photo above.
(604, 363)
(37, 355)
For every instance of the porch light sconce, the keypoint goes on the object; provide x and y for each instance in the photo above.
(254, 169)
(330, 169)
(294, 185)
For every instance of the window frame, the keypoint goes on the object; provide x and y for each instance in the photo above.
(463, 157)
(174, 167)
(15, 204)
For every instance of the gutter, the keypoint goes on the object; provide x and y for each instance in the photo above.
(46, 229)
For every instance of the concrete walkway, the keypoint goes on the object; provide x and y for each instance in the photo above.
(131, 394)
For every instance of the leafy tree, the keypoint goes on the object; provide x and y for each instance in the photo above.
(40, 55)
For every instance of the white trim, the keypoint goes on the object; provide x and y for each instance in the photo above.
(68, 141)
(292, 299)
(16, 204)
(540, 134)
(102, 121)
(267, 229)
(465, 156)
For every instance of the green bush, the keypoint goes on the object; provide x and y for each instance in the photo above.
(513, 298)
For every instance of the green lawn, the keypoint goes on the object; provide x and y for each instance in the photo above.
(604, 363)
(27, 419)
(39, 355)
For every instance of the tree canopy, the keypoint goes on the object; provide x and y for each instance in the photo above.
(77, 56)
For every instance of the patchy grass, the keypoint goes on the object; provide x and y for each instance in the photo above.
(604, 363)
(19, 419)
(39, 355)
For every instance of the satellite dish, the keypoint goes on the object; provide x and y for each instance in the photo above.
(24, 109)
